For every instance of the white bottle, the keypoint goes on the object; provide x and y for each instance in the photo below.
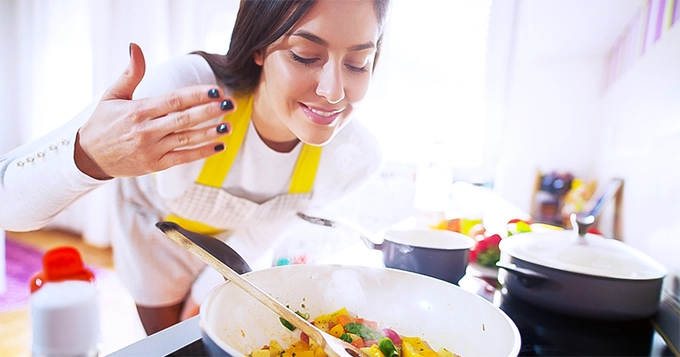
(64, 307)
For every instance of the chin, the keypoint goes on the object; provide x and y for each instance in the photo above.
(318, 139)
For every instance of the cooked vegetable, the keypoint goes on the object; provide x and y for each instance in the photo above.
(373, 351)
(287, 324)
(392, 335)
(361, 333)
(486, 251)
(364, 331)
(387, 347)
(290, 326)
(415, 347)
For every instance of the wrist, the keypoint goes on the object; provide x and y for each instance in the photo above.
(85, 163)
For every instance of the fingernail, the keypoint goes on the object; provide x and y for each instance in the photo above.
(222, 128)
(227, 105)
(213, 93)
(219, 147)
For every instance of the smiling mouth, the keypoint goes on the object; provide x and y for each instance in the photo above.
(321, 117)
(323, 113)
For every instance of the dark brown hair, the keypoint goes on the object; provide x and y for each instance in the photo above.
(258, 24)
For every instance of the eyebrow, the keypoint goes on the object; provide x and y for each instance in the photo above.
(320, 41)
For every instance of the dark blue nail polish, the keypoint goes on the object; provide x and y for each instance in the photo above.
(219, 147)
(222, 128)
(227, 105)
(213, 93)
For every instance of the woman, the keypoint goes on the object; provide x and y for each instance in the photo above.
(293, 76)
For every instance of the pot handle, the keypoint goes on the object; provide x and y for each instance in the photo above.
(526, 277)
(365, 236)
(371, 241)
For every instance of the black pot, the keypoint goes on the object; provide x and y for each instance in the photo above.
(587, 276)
(437, 253)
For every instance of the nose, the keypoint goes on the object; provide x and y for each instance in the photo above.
(330, 84)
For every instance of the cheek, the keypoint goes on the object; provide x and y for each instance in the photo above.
(357, 88)
(291, 80)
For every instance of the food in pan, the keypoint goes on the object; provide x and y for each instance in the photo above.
(362, 333)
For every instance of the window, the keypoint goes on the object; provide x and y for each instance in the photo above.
(428, 89)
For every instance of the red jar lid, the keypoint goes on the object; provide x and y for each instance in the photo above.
(61, 264)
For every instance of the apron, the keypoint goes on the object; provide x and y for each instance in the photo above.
(209, 209)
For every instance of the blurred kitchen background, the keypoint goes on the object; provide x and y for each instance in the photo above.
(522, 99)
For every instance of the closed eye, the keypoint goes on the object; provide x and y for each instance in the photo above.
(357, 69)
(303, 60)
(310, 61)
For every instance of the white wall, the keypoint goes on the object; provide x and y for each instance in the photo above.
(640, 142)
(9, 97)
(546, 107)
(558, 116)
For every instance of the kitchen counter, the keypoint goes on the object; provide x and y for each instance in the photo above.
(165, 342)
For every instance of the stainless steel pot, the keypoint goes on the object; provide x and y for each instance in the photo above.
(582, 275)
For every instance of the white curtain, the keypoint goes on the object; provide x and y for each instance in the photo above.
(58, 56)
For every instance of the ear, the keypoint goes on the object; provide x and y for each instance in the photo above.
(258, 57)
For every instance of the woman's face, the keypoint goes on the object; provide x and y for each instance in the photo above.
(314, 76)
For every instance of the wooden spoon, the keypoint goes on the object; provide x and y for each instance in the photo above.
(331, 345)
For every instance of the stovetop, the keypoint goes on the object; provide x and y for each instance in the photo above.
(545, 333)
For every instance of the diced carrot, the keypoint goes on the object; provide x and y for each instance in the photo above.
(344, 319)
(357, 341)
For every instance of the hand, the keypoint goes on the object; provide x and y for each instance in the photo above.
(125, 137)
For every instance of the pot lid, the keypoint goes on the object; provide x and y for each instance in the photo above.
(590, 254)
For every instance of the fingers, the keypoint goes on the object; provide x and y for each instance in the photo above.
(190, 138)
(128, 81)
(178, 157)
(190, 126)
(185, 98)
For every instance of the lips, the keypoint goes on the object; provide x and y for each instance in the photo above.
(321, 116)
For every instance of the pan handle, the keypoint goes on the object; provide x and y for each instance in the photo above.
(527, 277)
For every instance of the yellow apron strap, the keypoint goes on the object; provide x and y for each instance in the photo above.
(305, 169)
(217, 167)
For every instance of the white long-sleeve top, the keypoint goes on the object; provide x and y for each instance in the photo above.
(40, 179)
